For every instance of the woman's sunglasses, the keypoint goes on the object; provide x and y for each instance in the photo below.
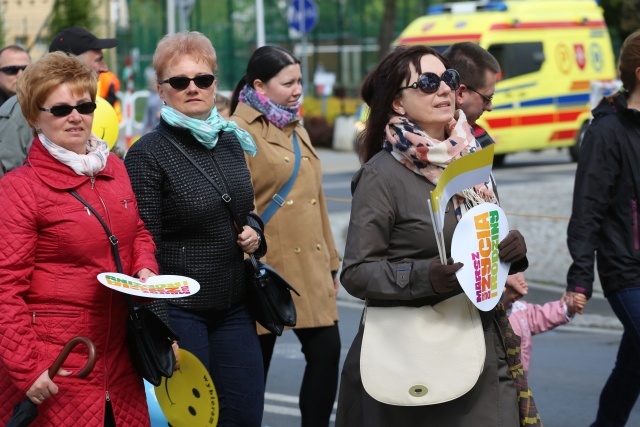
(65, 110)
(12, 70)
(181, 83)
(430, 82)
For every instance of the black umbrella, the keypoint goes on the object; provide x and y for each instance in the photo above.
(27, 411)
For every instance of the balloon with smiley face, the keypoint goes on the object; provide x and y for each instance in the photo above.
(189, 397)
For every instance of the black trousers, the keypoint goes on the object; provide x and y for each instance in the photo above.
(321, 349)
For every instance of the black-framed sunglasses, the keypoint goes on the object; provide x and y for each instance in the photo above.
(64, 110)
(181, 83)
(430, 82)
(487, 99)
(12, 70)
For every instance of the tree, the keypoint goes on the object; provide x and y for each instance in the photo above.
(72, 13)
(387, 28)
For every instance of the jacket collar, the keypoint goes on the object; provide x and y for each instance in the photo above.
(272, 132)
(56, 174)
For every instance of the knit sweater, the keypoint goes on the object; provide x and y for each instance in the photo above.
(190, 225)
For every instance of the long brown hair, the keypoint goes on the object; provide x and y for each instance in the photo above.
(628, 62)
(380, 88)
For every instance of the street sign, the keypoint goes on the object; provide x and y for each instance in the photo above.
(302, 15)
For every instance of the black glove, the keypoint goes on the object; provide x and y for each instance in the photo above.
(443, 277)
(512, 248)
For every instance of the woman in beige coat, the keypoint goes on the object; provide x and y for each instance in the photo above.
(301, 246)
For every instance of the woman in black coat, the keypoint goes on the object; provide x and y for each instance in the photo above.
(192, 227)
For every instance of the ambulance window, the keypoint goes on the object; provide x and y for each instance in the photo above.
(517, 59)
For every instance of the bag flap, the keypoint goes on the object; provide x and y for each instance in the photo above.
(422, 356)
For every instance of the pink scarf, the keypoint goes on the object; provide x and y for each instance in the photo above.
(428, 156)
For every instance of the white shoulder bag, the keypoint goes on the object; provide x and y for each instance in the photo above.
(414, 356)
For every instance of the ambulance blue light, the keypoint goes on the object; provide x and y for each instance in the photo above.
(497, 6)
(436, 9)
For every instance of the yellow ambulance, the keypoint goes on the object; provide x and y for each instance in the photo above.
(550, 51)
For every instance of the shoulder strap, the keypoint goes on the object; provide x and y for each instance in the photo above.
(226, 198)
(278, 199)
(113, 240)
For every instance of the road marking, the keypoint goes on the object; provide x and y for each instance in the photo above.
(287, 410)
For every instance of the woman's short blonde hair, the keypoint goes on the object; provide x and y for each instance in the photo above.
(45, 75)
(174, 47)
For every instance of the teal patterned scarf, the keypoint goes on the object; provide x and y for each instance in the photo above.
(206, 131)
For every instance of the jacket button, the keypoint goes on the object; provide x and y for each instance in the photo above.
(287, 159)
(289, 202)
(297, 250)
(313, 201)
(319, 247)
(305, 158)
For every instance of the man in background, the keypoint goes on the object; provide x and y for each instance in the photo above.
(15, 133)
(13, 60)
(479, 71)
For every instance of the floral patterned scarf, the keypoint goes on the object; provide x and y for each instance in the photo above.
(279, 115)
(428, 156)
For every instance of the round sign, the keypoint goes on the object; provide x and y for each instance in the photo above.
(475, 244)
(164, 286)
(302, 15)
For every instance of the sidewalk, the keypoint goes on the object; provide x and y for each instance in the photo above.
(335, 162)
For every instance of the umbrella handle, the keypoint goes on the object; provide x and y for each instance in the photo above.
(73, 342)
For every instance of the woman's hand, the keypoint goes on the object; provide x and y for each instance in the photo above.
(43, 387)
(512, 248)
(249, 240)
(443, 277)
(144, 274)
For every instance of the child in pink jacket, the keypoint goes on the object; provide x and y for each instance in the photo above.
(531, 319)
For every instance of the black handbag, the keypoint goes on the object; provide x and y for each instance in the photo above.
(269, 298)
(149, 338)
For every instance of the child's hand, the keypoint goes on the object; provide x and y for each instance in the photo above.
(515, 288)
(575, 301)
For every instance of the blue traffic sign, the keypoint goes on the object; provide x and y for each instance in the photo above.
(302, 15)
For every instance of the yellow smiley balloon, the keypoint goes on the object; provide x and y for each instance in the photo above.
(189, 397)
(105, 122)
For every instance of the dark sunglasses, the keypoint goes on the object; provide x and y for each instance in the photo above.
(487, 99)
(65, 110)
(181, 83)
(430, 82)
(12, 70)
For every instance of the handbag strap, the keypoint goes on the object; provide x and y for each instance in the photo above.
(113, 240)
(278, 199)
(226, 198)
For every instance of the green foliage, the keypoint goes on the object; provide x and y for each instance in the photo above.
(72, 13)
(622, 18)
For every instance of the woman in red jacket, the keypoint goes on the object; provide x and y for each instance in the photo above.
(52, 248)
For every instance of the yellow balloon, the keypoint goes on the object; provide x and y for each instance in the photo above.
(189, 397)
(105, 122)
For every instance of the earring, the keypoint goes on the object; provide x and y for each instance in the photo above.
(401, 112)
(164, 102)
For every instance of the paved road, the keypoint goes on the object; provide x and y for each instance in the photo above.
(569, 367)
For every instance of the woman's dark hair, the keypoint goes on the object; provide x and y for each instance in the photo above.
(380, 88)
(265, 63)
